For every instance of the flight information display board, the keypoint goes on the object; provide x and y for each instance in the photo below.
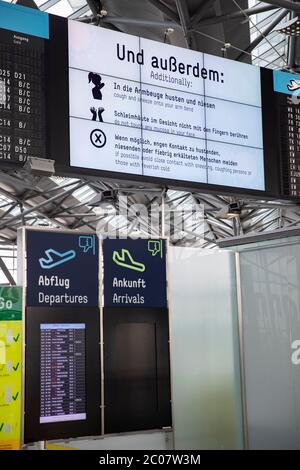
(62, 376)
(290, 145)
(161, 111)
(22, 97)
(287, 104)
(63, 394)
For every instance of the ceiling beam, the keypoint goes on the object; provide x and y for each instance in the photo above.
(208, 20)
(6, 272)
(95, 6)
(263, 34)
(41, 204)
(139, 22)
(288, 4)
(292, 48)
(291, 52)
(79, 12)
(166, 10)
(185, 21)
(196, 17)
(48, 4)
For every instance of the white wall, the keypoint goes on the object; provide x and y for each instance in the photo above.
(270, 280)
(205, 356)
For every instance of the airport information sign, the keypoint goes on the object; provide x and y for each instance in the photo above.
(62, 269)
(135, 273)
(62, 361)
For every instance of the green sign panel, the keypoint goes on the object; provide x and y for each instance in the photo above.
(10, 367)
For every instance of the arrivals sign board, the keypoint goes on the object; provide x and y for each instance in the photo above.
(62, 269)
(135, 273)
(10, 367)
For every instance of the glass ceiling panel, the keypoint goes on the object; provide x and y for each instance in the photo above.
(62, 8)
(39, 3)
(268, 52)
(76, 4)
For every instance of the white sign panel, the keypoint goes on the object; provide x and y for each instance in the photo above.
(146, 108)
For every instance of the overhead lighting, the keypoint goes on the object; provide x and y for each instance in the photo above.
(105, 197)
(229, 212)
(40, 166)
(103, 13)
(289, 28)
(169, 31)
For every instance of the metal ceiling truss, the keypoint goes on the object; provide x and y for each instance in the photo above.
(200, 21)
(48, 4)
(95, 6)
(197, 16)
(6, 272)
(192, 22)
(64, 203)
(263, 34)
(288, 4)
(119, 20)
(168, 12)
(185, 21)
(79, 12)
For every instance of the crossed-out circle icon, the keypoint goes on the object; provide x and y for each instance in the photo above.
(98, 138)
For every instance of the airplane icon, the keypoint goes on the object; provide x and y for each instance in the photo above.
(293, 85)
(125, 259)
(55, 258)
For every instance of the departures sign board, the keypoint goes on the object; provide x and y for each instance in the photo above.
(22, 83)
(123, 107)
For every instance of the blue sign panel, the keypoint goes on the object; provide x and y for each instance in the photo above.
(135, 273)
(62, 269)
(24, 20)
(287, 83)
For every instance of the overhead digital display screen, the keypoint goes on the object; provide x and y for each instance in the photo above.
(63, 375)
(156, 110)
(117, 106)
(287, 105)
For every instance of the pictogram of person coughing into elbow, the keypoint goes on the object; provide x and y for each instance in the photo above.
(96, 79)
